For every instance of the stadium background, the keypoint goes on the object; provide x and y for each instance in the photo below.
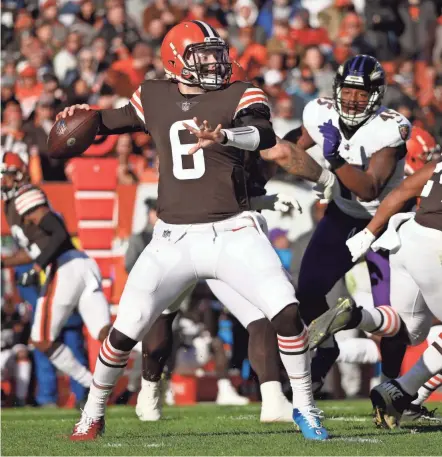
(58, 53)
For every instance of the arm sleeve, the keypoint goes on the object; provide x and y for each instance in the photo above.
(128, 119)
(257, 115)
(54, 226)
(120, 120)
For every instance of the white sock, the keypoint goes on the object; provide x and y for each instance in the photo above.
(225, 384)
(23, 376)
(295, 356)
(427, 389)
(358, 350)
(270, 391)
(110, 365)
(64, 360)
(429, 364)
(383, 321)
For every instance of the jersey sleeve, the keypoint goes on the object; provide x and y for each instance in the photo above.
(253, 97)
(128, 119)
(30, 199)
(310, 116)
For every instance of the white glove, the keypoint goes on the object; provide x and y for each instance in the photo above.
(327, 187)
(359, 244)
(284, 204)
(277, 202)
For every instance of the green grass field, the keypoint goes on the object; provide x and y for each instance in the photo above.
(207, 429)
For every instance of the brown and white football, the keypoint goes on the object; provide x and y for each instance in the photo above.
(72, 135)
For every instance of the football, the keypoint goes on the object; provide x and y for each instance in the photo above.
(72, 135)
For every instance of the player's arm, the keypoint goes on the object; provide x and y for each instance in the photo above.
(367, 185)
(290, 154)
(394, 202)
(21, 257)
(128, 119)
(50, 223)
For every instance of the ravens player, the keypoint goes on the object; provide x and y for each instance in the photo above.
(364, 145)
(73, 279)
(201, 124)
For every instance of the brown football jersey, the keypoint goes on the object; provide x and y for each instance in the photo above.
(211, 184)
(429, 213)
(27, 235)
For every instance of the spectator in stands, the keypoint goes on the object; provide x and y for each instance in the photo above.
(49, 14)
(281, 244)
(12, 134)
(324, 75)
(139, 241)
(118, 25)
(86, 70)
(66, 59)
(15, 362)
(303, 34)
(198, 11)
(275, 9)
(161, 9)
(123, 151)
(284, 118)
(86, 23)
(245, 13)
(28, 88)
(7, 91)
(352, 27)
(330, 18)
(155, 33)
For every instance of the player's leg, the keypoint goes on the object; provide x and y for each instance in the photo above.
(92, 304)
(392, 347)
(262, 351)
(59, 297)
(157, 348)
(391, 398)
(22, 373)
(325, 261)
(248, 263)
(161, 274)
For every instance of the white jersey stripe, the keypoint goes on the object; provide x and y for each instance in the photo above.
(208, 29)
(137, 111)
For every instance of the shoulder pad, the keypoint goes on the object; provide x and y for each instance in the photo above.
(394, 128)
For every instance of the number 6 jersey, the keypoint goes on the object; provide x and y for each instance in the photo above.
(209, 185)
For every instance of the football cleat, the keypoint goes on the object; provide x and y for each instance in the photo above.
(88, 428)
(280, 410)
(149, 407)
(420, 413)
(308, 421)
(389, 402)
(228, 396)
(331, 322)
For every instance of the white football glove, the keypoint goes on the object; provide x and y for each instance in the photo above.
(277, 202)
(327, 187)
(359, 244)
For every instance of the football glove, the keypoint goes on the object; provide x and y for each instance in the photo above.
(29, 278)
(277, 202)
(359, 244)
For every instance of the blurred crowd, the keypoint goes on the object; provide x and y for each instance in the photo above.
(58, 53)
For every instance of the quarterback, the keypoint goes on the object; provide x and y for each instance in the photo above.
(201, 124)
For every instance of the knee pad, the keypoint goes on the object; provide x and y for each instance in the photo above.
(417, 326)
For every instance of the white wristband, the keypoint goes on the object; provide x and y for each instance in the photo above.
(326, 178)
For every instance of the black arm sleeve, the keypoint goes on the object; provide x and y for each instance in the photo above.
(258, 115)
(60, 240)
(120, 120)
(294, 135)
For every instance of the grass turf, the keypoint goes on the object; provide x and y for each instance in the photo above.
(207, 429)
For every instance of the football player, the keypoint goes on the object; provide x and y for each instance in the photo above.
(200, 124)
(364, 145)
(415, 244)
(73, 279)
(262, 349)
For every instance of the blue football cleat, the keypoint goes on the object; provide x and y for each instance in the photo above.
(308, 421)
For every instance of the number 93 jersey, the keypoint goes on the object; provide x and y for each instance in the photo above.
(386, 128)
(209, 185)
